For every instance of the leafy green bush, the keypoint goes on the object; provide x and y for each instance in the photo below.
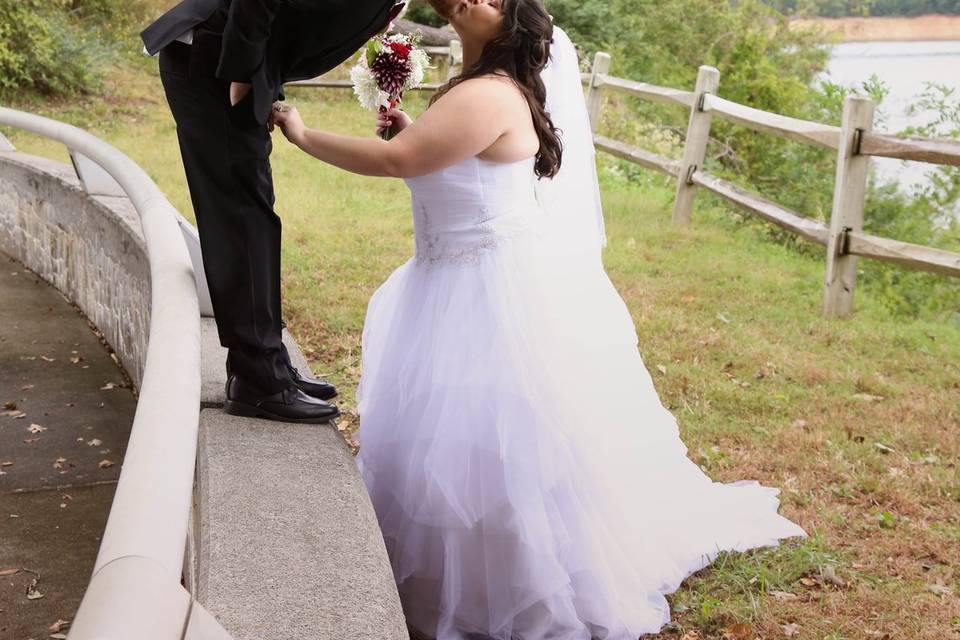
(60, 47)
(420, 11)
(42, 50)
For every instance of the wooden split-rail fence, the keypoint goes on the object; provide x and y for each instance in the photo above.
(854, 141)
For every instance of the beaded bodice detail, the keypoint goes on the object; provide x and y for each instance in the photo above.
(465, 210)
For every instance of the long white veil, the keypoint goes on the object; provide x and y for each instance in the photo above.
(572, 198)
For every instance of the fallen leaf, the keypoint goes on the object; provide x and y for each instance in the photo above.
(96, 442)
(9, 406)
(783, 596)
(76, 359)
(9, 572)
(691, 635)
(59, 625)
(738, 631)
(6, 463)
(30, 440)
(105, 464)
(26, 387)
(58, 636)
(16, 415)
(940, 590)
(46, 359)
(33, 594)
(662, 369)
(867, 397)
(790, 630)
(882, 448)
(108, 386)
(36, 428)
(808, 582)
(722, 318)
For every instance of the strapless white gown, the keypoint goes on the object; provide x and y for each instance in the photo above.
(528, 482)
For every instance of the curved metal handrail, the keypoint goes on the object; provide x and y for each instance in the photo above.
(136, 578)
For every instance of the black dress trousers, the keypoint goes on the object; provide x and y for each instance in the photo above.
(226, 156)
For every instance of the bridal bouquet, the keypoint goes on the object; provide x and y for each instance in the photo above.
(389, 66)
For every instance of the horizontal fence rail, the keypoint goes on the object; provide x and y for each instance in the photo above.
(812, 230)
(903, 253)
(802, 131)
(135, 589)
(918, 149)
(646, 91)
(332, 83)
(638, 156)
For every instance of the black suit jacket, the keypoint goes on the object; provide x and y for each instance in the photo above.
(270, 42)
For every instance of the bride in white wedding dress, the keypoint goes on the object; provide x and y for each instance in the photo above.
(528, 481)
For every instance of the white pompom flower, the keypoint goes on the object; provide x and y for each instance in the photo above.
(419, 63)
(365, 87)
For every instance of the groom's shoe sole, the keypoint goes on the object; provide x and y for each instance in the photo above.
(235, 408)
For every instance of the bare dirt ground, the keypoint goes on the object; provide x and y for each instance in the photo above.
(932, 27)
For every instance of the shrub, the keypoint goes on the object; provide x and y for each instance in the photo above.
(60, 47)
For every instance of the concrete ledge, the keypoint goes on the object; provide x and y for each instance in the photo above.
(289, 546)
(91, 249)
(214, 358)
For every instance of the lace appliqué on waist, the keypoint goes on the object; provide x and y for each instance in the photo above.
(444, 248)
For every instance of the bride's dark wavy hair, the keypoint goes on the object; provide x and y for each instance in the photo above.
(521, 50)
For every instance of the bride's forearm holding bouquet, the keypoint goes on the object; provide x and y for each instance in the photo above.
(485, 116)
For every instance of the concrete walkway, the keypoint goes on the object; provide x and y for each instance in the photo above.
(64, 421)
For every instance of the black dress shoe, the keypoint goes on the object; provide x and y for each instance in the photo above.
(313, 386)
(289, 405)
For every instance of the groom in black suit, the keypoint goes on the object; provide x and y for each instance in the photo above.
(223, 63)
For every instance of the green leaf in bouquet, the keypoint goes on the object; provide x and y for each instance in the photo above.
(374, 47)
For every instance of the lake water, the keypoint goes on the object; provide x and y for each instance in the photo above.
(905, 67)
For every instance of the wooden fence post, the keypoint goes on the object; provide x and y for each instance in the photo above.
(601, 67)
(849, 196)
(455, 59)
(695, 147)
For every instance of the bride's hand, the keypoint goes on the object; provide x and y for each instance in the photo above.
(289, 121)
(396, 118)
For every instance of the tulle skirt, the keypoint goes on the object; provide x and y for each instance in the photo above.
(528, 481)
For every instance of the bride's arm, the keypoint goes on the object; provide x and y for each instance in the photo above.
(465, 122)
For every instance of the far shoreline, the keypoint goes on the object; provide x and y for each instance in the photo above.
(886, 28)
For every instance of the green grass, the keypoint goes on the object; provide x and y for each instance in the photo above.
(856, 420)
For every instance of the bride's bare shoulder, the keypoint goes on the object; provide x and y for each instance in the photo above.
(491, 86)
